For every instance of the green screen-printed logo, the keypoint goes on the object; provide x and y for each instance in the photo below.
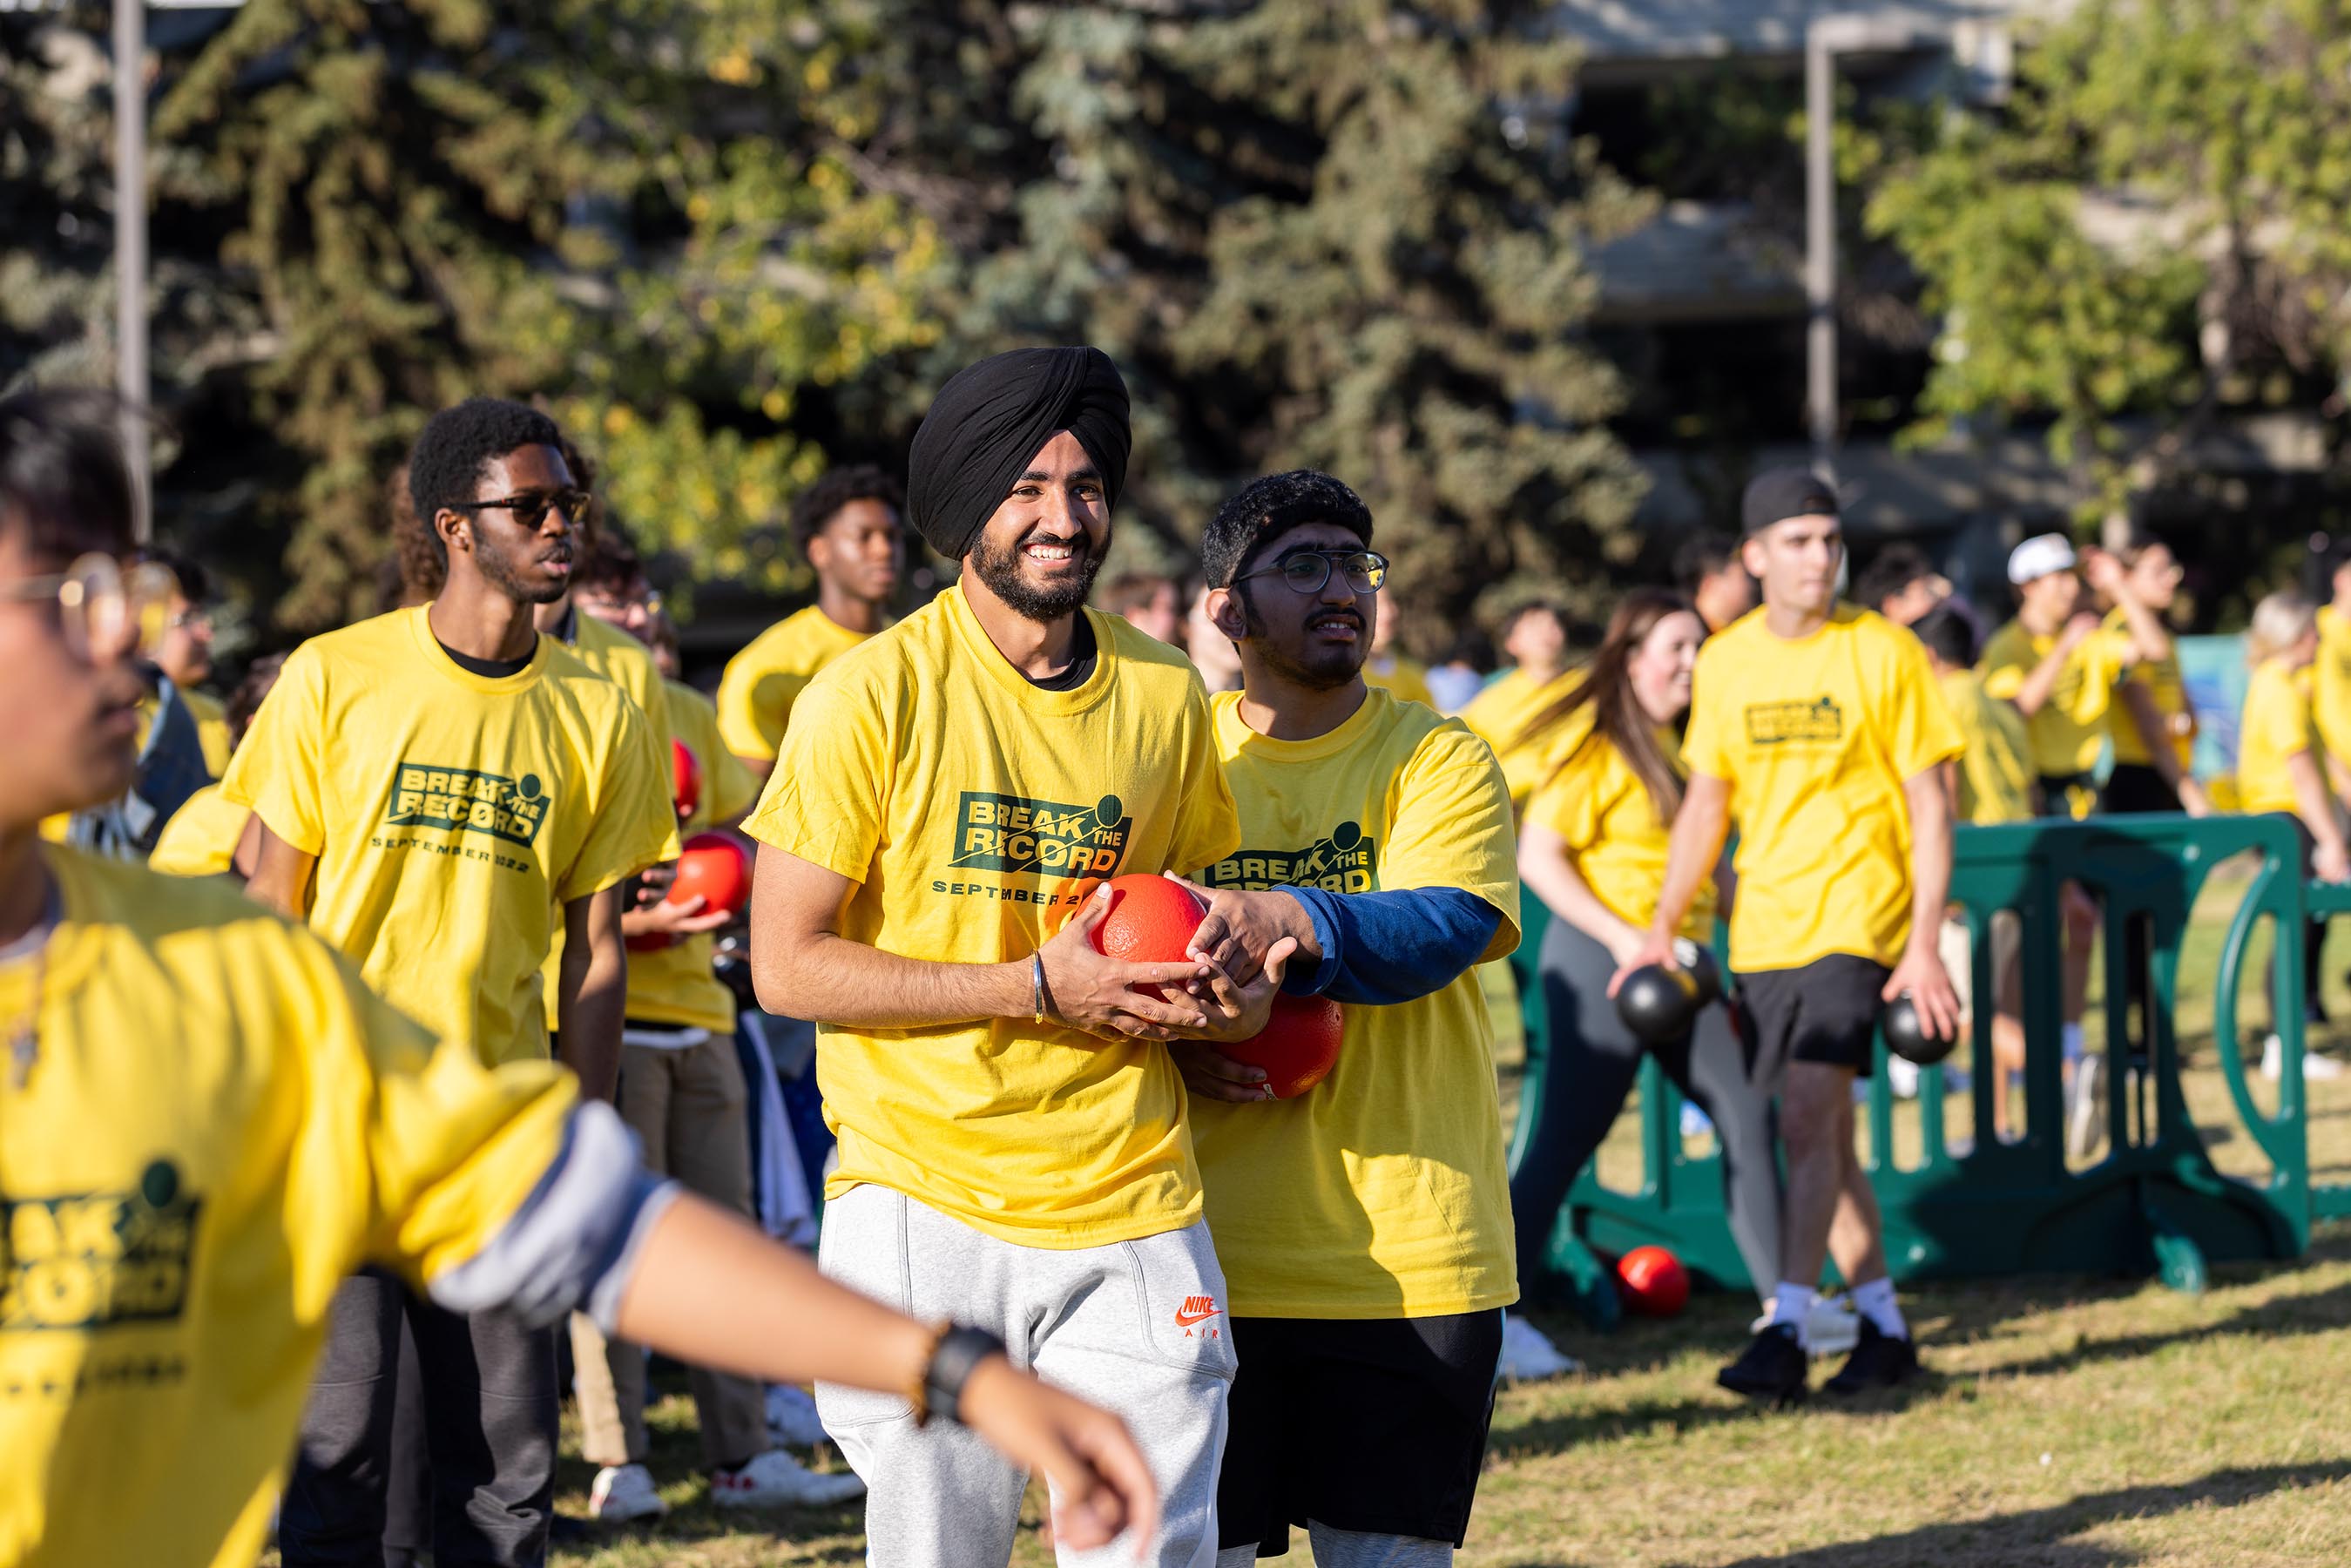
(1346, 862)
(471, 801)
(1013, 833)
(93, 1259)
(1798, 723)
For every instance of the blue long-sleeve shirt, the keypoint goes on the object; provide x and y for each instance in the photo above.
(1382, 949)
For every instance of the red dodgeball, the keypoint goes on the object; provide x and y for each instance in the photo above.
(1298, 1047)
(1654, 1282)
(1151, 920)
(685, 778)
(714, 866)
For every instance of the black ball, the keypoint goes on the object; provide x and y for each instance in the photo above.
(1658, 1004)
(1698, 960)
(1906, 1036)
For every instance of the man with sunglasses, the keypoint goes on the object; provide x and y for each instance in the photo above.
(1364, 1227)
(433, 785)
(206, 1119)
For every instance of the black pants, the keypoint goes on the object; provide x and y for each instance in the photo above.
(490, 1425)
(1594, 1061)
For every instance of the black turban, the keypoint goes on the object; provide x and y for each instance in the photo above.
(1778, 494)
(991, 418)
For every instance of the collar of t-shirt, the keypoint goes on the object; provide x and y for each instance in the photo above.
(1083, 651)
(489, 669)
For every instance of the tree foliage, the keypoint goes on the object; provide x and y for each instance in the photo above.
(727, 241)
(2149, 237)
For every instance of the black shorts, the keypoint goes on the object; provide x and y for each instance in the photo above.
(1825, 1011)
(2135, 786)
(1376, 1425)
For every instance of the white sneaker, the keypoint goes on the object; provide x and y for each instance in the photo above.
(1528, 1356)
(2314, 1067)
(776, 1480)
(1831, 1326)
(624, 1492)
(792, 1420)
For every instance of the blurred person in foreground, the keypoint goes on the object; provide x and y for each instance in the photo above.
(849, 526)
(2280, 768)
(202, 1099)
(1816, 728)
(682, 1091)
(1367, 1293)
(1154, 605)
(1991, 782)
(1710, 571)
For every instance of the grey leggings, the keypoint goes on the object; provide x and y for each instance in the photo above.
(1594, 1061)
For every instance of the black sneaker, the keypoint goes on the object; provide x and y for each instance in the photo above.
(1878, 1361)
(1772, 1366)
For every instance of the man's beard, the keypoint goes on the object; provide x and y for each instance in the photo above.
(1000, 570)
(1343, 664)
(498, 568)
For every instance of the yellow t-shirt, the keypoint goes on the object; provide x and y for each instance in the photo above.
(221, 1124)
(1503, 713)
(762, 681)
(674, 984)
(212, 728)
(2163, 683)
(2330, 682)
(201, 838)
(974, 811)
(450, 814)
(2070, 730)
(1383, 1192)
(1408, 678)
(2278, 723)
(1602, 811)
(1816, 737)
(1995, 755)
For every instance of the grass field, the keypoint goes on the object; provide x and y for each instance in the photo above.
(2065, 1423)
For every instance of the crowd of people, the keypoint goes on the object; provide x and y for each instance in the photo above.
(363, 1070)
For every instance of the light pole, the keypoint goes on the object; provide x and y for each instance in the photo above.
(130, 254)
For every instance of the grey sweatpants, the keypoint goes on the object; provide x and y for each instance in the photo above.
(1136, 1327)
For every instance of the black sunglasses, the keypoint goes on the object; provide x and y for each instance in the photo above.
(530, 510)
(1307, 570)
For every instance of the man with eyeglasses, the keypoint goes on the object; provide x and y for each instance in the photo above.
(952, 797)
(207, 1119)
(1364, 1227)
(433, 785)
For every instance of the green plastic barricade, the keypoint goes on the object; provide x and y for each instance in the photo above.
(2152, 1203)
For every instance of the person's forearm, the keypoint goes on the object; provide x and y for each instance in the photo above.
(2155, 736)
(1930, 855)
(1395, 945)
(2151, 638)
(2311, 802)
(831, 979)
(709, 1289)
(2034, 695)
(1544, 867)
(2338, 778)
(591, 1006)
(1699, 828)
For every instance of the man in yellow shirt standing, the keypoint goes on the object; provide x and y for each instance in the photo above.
(848, 527)
(206, 1120)
(1363, 1227)
(433, 786)
(1817, 726)
(950, 799)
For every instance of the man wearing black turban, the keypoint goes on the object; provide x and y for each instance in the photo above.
(949, 803)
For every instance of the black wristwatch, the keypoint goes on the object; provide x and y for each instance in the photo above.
(958, 1351)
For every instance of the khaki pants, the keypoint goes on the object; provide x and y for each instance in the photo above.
(687, 1106)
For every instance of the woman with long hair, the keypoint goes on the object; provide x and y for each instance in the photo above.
(1593, 850)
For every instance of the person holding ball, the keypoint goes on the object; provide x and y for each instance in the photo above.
(1595, 849)
(1363, 1226)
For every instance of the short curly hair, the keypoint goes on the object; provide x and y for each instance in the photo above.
(445, 465)
(818, 505)
(1263, 509)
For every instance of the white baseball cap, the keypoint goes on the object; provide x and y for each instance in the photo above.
(2038, 557)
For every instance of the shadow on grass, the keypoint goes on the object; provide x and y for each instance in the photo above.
(2323, 1312)
(2039, 1535)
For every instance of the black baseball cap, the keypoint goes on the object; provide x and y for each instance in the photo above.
(1778, 494)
